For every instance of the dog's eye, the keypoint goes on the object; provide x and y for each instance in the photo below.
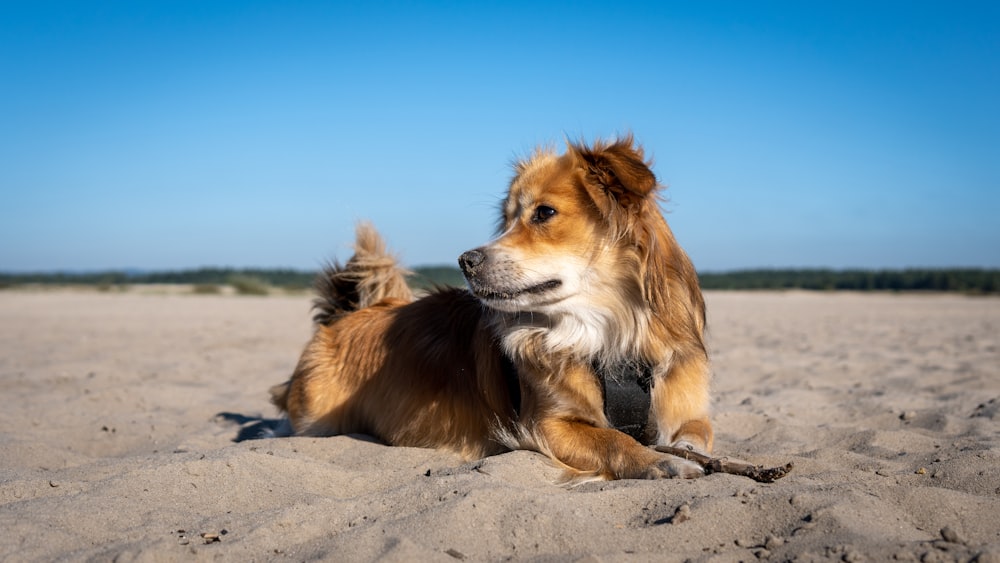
(542, 214)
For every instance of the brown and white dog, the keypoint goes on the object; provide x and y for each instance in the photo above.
(584, 286)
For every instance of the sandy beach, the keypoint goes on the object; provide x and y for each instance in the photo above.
(125, 412)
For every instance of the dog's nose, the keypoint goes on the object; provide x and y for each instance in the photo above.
(471, 260)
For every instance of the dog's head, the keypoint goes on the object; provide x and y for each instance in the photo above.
(579, 231)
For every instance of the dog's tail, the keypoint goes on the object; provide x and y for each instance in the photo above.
(371, 275)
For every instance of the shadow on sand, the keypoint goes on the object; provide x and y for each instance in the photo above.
(251, 427)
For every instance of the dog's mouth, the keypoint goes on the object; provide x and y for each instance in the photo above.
(497, 294)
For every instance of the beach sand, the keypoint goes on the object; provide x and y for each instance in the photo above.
(123, 417)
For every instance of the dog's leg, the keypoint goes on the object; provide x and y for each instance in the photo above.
(606, 453)
(566, 419)
(680, 404)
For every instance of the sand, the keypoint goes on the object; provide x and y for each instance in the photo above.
(123, 417)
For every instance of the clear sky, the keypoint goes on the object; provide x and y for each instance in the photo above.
(179, 134)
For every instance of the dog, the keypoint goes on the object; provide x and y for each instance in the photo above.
(583, 290)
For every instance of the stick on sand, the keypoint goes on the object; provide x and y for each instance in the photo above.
(719, 465)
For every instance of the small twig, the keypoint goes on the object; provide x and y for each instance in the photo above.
(720, 465)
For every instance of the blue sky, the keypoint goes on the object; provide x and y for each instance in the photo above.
(173, 135)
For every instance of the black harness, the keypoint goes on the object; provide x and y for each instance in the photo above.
(626, 395)
(627, 399)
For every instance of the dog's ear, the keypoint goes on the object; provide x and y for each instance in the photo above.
(615, 169)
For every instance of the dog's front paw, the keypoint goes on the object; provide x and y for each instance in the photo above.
(673, 467)
(678, 468)
(689, 446)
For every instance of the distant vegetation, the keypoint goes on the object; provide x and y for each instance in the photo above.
(248, 285)
(258, 281)
(961, 280)
(250, 280)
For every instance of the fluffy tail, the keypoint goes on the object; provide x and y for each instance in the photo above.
(371, 275)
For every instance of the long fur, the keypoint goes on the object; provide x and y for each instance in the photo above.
(584, 281)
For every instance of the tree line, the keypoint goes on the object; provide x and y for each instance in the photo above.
(969, 280)
(283, 278)
(965, 280)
